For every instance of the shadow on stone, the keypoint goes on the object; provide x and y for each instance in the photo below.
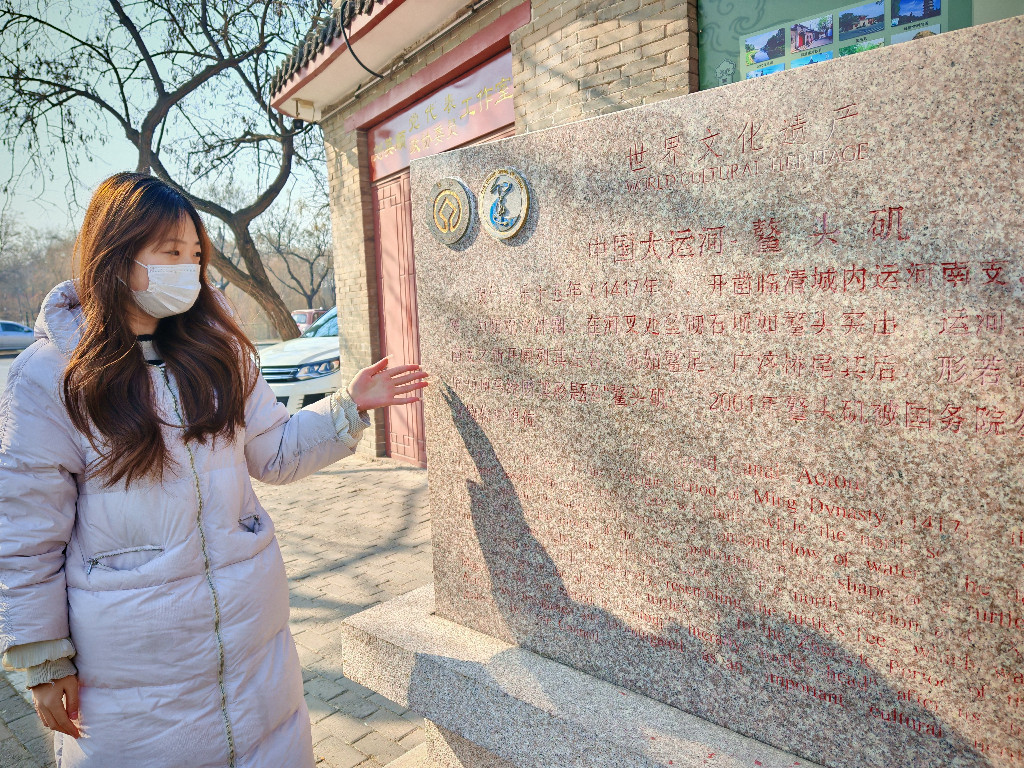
(749, 668)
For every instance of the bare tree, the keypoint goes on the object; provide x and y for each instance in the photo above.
(31, 262)
(299, 235)
(185, 82)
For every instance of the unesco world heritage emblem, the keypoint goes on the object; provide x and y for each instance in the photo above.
(504, 203)
(450, 211)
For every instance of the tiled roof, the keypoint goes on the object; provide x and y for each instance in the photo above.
(319, 36)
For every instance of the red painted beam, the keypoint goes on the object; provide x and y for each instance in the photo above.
(485, 44)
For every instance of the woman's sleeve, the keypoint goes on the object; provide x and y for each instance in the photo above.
(281, 449)
(39, 458)
(44, 661)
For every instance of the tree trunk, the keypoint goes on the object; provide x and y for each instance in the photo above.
(263, 293)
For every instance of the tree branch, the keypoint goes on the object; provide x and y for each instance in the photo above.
(129, 25)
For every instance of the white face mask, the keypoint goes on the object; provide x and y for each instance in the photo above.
(173, 289)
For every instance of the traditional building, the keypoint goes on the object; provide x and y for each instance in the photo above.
(453, 74)
(801, 36)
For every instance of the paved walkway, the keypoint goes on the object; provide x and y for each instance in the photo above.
(353, 535)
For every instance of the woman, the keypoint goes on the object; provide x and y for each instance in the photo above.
(141, 584)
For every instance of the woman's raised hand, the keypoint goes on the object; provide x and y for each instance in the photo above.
(379, 386)
(57, 704)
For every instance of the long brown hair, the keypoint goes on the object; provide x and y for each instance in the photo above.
(107, 385)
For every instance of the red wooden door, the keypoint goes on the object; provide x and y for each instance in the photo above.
(396, 291)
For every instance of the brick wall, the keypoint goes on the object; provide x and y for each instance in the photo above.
(580, 58)
(574, 59)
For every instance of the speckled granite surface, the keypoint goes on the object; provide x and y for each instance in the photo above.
(520, 709)
(736, 420)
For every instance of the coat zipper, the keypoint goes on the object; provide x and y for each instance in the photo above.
(209, 578)
(95, 559)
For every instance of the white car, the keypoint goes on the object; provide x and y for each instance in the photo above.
(14, 337)
(304, 370)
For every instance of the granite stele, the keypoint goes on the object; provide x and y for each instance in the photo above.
(725, 442)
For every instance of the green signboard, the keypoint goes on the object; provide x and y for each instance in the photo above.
(762, 37)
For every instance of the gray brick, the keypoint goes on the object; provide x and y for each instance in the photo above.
(415, 718)
(27, 727)
(14, 754)
(356, 688)
(323, 688)
(390, 725)
(15, 708)
(413, 739)
(41, 748)
(318, 708)
(355, 705)
(337, 754)
(417, 757)
(342, 726)
(378, 746)
(383, 701)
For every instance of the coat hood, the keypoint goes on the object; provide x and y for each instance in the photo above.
(60, 318)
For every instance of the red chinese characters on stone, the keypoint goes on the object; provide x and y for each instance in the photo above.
(887, 222)
(635, 156)
(750, 138)
(767, 234)
(787, 365)
(825, 233)
(853, 278)
(629, 247)
(708, 142)
(985, 422)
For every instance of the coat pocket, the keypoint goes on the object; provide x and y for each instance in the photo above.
(124, 559)
(251, 523)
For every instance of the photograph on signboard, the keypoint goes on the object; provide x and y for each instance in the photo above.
(810, 34)
(866, 45)
(814, 58)
(765, 46)
(916, 34)
(766, 71)
(909, 11)
(862, 20)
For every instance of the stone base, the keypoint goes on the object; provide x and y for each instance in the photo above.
(495, 705)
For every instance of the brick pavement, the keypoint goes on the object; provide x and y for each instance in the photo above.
(352, 535)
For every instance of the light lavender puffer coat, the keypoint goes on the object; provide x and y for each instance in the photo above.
(174, 594)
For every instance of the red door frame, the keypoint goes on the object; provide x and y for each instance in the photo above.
(478, 49)
(398, 317)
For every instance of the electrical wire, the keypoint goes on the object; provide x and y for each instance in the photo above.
(344, 33)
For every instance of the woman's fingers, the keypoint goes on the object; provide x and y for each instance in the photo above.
(405, 370)
(63, 724)
(44, 716)
(407, 377)
(400, 390)
(50, 704)
(71, 698)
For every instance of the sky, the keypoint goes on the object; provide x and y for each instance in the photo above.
(759, 41)
(45, 204)
(41, 203)
(914, 7)
(871, 9)
(59, 204)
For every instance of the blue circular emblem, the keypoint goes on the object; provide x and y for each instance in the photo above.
(504, 203)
